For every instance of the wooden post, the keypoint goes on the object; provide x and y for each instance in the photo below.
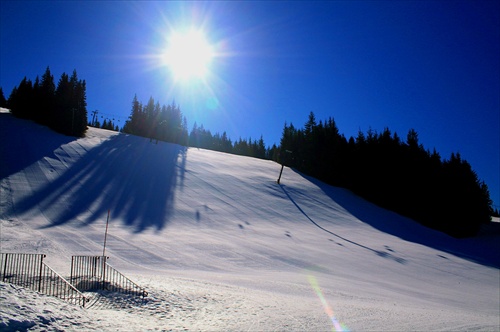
(282, 166)
(105, 236)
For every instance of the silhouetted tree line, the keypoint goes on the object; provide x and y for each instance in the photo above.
(398, 175)
(166, 123)
(106, 124)
(202, 138)
(402, 176)
(161, 123)
(62, 108)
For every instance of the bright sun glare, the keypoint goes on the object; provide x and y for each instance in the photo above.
(189, 55)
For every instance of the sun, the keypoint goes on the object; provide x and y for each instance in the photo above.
(188, 55)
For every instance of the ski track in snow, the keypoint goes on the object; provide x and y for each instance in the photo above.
(220, 246)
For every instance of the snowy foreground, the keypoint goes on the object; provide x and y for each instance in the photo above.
(219, 245)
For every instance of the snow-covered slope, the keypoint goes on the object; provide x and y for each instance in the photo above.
(220, 245)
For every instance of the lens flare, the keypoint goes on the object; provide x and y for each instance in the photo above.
(328, 310)
(212, 103)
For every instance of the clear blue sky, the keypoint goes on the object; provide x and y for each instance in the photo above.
(429, 65)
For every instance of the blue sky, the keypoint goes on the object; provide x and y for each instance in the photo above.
(429, 65)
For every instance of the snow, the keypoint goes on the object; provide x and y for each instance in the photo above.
(219, 245)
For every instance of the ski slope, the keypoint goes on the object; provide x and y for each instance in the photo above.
(219, 245)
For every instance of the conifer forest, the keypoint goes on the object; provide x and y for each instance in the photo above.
(396, 173)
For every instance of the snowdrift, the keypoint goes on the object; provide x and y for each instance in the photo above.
(219, 245)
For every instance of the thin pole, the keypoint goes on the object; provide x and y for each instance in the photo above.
(105, 236)
(287, 152)
(103, 263)
(279, 178)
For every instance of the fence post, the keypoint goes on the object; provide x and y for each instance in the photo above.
(103, 264)
(40, 274)
(5, 266)
(71, 271)
(105, 236)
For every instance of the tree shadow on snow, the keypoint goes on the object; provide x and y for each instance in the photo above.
(479, 249)
(128, 175)
(20, 152)
(377, 252)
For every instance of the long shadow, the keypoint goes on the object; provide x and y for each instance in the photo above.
(14, 143)
(377, 252)
(478, 249)
(128, 175)
(182, 168)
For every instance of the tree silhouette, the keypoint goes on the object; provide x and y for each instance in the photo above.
(401, 176)
(47, 98)
(3, 101)
(19, 99)
(163, 123)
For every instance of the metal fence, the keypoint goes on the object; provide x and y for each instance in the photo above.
(29, 271)
(94, 273)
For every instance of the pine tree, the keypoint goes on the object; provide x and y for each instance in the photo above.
(150, 117)
(227, 145)
(20, 98)
(184, 133)
(79, 106)
(35, 111)
(63, 110)
(3, 101)
(401, 176)
(136, 121)
(261, 149)
(194, 139)
(47, 98)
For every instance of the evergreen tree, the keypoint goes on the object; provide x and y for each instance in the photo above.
(47, 99)
(3, 101)
(194, 139)
(260, 149)
(136, 121)
(63, 109)
(401, 176)
(150, 114)
(79, 106)
(36, 100)
(184, 138)
(226, 144)
(174, 124)
(19, 100)
(241, 147)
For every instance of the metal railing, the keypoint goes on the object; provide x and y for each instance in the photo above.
(29, 271)
(22, 269)
(94, 273)
(86, 272)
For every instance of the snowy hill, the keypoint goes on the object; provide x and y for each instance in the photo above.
(219, 245)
